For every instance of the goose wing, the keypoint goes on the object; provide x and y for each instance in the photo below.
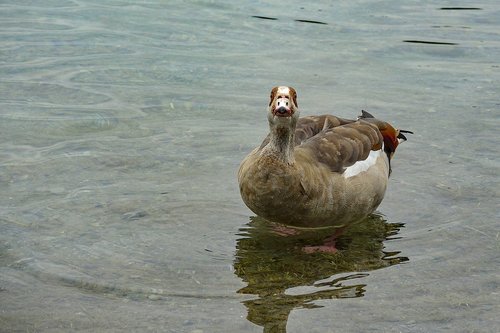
(342, 143)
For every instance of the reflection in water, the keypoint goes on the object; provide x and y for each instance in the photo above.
(271, 264)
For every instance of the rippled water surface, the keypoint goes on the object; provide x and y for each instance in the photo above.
(122, 125)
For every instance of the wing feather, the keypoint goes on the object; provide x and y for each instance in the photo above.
(343, 144)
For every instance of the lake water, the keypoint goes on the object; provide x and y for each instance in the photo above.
(122, 125)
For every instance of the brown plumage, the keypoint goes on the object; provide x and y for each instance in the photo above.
(319, 170)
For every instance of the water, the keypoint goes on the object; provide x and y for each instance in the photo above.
(123, 124)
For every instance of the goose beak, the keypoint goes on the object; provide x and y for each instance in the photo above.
(282, 107)
(282, 112)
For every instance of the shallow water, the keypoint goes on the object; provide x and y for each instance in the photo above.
(122, 125)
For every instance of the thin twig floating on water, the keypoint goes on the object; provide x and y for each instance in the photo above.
(264, 17)
(428, 42)
(460, 8)
(309, 21)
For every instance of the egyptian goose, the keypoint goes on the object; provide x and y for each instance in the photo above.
(317, 171)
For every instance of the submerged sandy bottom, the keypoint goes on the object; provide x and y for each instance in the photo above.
(122, 127)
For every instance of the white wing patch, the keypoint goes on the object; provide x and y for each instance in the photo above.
(363, 165)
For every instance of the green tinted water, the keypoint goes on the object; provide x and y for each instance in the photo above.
(122, 125)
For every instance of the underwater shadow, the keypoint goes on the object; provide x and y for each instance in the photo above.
(285, 277)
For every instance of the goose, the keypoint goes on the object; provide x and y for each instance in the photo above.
(317, 171)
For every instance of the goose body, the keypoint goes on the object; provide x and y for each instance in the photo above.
(317, 171)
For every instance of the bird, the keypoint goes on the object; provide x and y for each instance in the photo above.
(317, 171)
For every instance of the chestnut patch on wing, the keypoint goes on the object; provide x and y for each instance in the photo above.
(389, 134)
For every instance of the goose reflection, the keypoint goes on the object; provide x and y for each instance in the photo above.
(285, 277)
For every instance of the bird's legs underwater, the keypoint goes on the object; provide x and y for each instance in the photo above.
(329, 243)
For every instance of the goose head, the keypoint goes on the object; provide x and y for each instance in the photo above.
(283, 110)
